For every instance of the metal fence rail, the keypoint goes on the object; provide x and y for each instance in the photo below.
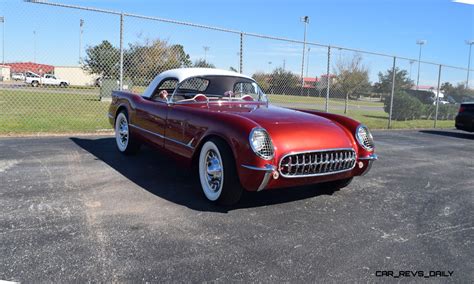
(375, 88)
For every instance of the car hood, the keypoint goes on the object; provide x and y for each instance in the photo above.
(292, 130)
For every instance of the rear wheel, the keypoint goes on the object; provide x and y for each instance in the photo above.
(218, 174)
(126, 144)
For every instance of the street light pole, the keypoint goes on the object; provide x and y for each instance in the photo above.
(411, 67)
(307, 61)
(34, 46)
(305, 20)
(2, 20)
(206, 49)
(470, 43)
(81, 24)
(421, 43)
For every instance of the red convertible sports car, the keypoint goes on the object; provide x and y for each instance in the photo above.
(221, 123)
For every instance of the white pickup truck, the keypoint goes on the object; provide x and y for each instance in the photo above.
(35, 80)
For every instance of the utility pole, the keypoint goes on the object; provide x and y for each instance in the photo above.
(411, 67)
(470, 43)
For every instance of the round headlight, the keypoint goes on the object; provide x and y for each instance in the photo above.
(364, 137)
(261, 143)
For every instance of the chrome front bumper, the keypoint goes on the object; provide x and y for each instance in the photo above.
(269, 172)
(370, 160)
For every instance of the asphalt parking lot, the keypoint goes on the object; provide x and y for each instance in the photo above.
(74, 209)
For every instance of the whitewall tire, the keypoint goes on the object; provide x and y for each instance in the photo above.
(211, 171)
(217, 173)
(123, 138)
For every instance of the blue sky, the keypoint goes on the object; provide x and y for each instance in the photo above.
(387, 26)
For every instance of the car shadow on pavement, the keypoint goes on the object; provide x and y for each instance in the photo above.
(163, 177)
(463, 135)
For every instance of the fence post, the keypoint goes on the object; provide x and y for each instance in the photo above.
(392, 92)
(121, 53)
(240, 53)
(437, 96)
(327, 79)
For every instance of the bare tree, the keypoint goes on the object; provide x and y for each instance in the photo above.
(352, 77)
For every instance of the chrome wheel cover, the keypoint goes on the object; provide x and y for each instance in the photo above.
(211, 171)
(121, 132)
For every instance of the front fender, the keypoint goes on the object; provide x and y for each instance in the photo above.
(235, 130)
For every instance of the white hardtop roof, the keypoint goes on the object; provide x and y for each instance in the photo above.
(182, 74)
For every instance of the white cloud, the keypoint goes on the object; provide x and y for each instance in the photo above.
(470, 2)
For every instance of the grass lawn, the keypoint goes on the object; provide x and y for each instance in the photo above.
(379, 119)
(34, 112)
(320, 101)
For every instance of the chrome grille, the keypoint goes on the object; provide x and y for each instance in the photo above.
(315, 163)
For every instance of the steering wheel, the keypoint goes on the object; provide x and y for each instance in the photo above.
(200, 98)
(248, 98)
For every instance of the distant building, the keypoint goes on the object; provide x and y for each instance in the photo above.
(430, 89)
(75, 75)
(309, 82)
(315, 82)
(5, 73)
(22, 67)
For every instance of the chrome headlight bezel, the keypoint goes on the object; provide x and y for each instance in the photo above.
(368, 142)
(266, 150)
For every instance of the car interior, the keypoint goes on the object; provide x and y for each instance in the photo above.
(209, 88)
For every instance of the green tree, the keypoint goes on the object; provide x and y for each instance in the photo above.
(203, 64)
(384, 85)
(183, 59)
(405, 107)
(459, 93)
(102, 59)
(352, 78)
(144, 60)
(263, 80)
(284, 82)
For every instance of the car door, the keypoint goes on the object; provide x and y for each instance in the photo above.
(151, 113)
(182, 126)
(150, 120)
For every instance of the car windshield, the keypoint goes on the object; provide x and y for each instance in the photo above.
(218, 88)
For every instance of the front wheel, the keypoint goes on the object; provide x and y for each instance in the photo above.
(126, 144)
(35, 83)
(218, 174)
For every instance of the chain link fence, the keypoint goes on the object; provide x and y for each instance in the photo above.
(64, 83)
